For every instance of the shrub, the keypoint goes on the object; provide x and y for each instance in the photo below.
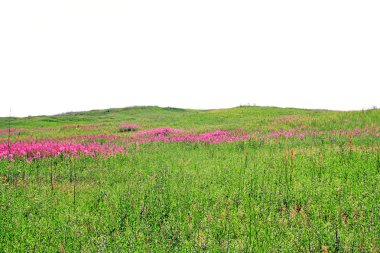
(128, 127)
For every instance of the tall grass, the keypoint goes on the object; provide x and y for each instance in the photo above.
(178, 197)
(314, 194)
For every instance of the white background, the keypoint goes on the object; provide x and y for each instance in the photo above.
(70, 55)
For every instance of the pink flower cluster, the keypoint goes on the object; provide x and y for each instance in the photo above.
(92, 138)
(43, 149)
(282, 133)
(128, 127)
(163, 131)
(176, 135)
(215, 137)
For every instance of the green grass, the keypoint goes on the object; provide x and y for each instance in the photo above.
(245, 117)
(286, 195)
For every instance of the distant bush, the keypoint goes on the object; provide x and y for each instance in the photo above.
(128, 127)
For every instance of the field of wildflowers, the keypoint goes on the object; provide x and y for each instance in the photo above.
(150, 179)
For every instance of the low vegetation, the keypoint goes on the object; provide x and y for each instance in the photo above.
(245, 179)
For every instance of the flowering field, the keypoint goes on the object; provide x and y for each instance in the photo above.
(245, 179)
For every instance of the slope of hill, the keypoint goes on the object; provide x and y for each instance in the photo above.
(245, 179)
(245, 117)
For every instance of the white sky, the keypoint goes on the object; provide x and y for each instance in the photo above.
(69, 55)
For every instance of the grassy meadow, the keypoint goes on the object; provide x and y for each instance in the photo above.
(294, 180)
